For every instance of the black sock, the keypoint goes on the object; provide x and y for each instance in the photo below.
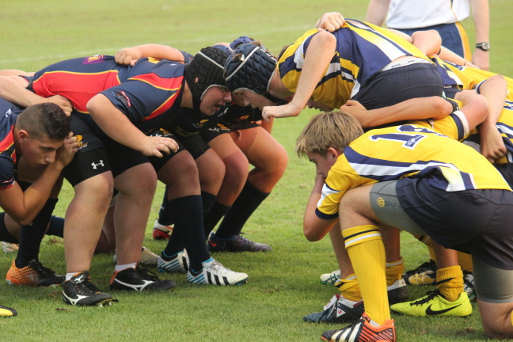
(213, 217)
(248, 201)
(56, 226)
(32, 234)
(165, 215)
(188, 230)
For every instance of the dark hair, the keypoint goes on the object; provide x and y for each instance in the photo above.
(44, 119)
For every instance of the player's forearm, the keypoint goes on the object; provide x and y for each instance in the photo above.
(160, 51)
(36, 195)
(495, 90)
(377, 11)
(415, 109)
(14, 92)
(317, 59)
(114, 123)
(314, 228)
(481, 16)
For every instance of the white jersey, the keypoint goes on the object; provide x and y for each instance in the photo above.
(412, 14)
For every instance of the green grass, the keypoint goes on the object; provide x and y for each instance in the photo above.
(283, 285)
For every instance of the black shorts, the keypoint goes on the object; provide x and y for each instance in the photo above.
(97, 152)
(195, 145)
(213, 132)
(506, 171)
(157, 162)
(471, 221)
(387, 88)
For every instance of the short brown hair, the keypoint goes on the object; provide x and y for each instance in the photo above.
(329, 129)
(44, 119)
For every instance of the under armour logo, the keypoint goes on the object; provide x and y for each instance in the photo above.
(95, 166)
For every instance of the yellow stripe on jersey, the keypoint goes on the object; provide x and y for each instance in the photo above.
(407, 151)
(362, 50)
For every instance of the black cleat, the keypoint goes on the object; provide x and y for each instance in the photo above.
(79, 290)
(236, 243)
(138, 279)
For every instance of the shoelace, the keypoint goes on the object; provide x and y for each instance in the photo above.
(146, 274)
(429, 296)
(244, 239)
(41, 270)
(218, 267)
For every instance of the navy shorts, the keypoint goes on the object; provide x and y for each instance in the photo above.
(390, 87)
(477, 222)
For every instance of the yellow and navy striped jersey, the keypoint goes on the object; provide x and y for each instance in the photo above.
(361, 51)
(454, 126)
(406, 151)
(472, 77)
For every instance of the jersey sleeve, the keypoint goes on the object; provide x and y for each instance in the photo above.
(6, 172)
(133, 99)
(338, 182)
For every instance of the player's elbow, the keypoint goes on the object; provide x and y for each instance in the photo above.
(441, 109)
(311, 231)
(310, 235)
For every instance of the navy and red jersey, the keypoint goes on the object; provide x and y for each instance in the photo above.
(9, 113)
(149, 93)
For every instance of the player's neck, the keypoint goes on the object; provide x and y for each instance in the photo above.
(186, 96)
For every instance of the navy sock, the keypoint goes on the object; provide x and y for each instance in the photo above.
(248, 201)
(56, 226)
(188, 230)
(32, 234)
(208, 201)
(213, 217)
(165, 215)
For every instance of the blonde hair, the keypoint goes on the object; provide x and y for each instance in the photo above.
(329, 129)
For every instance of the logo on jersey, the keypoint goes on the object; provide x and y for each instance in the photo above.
(81, 144)
(381, 202)
(95, 165)
(94, 59)
(121, 96)
(153, 60)
(9, 112)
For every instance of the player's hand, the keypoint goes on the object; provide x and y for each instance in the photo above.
(283, 111)
(481, 59)
(354, 108)
(155, 146)
(330, 21)
(127, 56)
(357, 110)
(492, 145)
(67, 151)
(62, 102)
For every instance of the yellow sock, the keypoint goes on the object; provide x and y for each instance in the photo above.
(453, 287)
(349, 288)
(367, 253)
(394, 271)
(465, 261)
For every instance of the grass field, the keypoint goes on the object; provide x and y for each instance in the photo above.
(283, 285)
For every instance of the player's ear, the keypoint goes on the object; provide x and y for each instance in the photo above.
(333, 152)
(23, 135)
